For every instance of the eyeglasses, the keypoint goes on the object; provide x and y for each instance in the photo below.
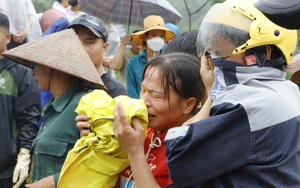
(213, 55)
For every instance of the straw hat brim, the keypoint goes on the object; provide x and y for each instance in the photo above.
(62, 51)
(138, 37)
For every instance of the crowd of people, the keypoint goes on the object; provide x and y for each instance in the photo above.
(212, 107)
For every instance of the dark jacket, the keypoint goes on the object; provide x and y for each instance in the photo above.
(114, 87)
(251, 138)
(20, 111)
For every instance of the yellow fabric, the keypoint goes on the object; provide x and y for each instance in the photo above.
(97, 159)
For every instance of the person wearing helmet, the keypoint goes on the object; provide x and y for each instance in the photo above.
(283, 13)
(251, 138)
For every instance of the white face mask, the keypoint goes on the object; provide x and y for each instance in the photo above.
(155, 43)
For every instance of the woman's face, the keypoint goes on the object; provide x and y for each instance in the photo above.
(163, 112)
(156, 33)
(42, 76)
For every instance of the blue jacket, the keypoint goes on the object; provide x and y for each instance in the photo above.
(134, 73)
(251, 138)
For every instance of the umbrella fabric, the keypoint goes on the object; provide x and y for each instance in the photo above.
(118, 11)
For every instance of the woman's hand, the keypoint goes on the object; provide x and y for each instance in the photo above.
(83, 125)
(131, 137)
(207, 73)
(19, 37)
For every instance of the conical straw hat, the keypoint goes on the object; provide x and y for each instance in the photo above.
(62, 51)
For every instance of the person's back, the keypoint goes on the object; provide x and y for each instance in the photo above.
(251, 138)
(20, 111)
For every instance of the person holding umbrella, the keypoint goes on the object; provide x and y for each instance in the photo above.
(152, 39)
(60, 65)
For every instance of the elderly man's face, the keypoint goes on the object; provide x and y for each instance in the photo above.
(221, 47)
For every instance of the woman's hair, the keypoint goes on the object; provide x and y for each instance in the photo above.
(179, 72)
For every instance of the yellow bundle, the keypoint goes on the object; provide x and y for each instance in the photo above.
(97, 159)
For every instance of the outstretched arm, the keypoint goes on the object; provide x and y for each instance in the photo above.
(207, 75)
(117, 61)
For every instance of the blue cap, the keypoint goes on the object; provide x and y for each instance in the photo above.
(58, 25)
(172, 27)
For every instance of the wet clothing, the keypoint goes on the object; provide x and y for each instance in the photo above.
(156, 160)
(251, 138)
(20, 111)
(57, 135)
(134, 73)
(114, 88)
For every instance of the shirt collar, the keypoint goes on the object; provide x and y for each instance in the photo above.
(62, 101)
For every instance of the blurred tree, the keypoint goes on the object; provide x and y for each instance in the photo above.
(197, 8)
(42, 5)
(192, 13)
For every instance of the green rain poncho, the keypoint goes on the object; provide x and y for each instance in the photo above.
(97, 159)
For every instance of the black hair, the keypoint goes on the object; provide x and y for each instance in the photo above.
(4, 23)
(135, 31)
(185, 42)
(276, 56)
(73, 3)
(180, 72)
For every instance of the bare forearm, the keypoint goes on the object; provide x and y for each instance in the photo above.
(202, 114)
(143, 177)
(117, 61)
